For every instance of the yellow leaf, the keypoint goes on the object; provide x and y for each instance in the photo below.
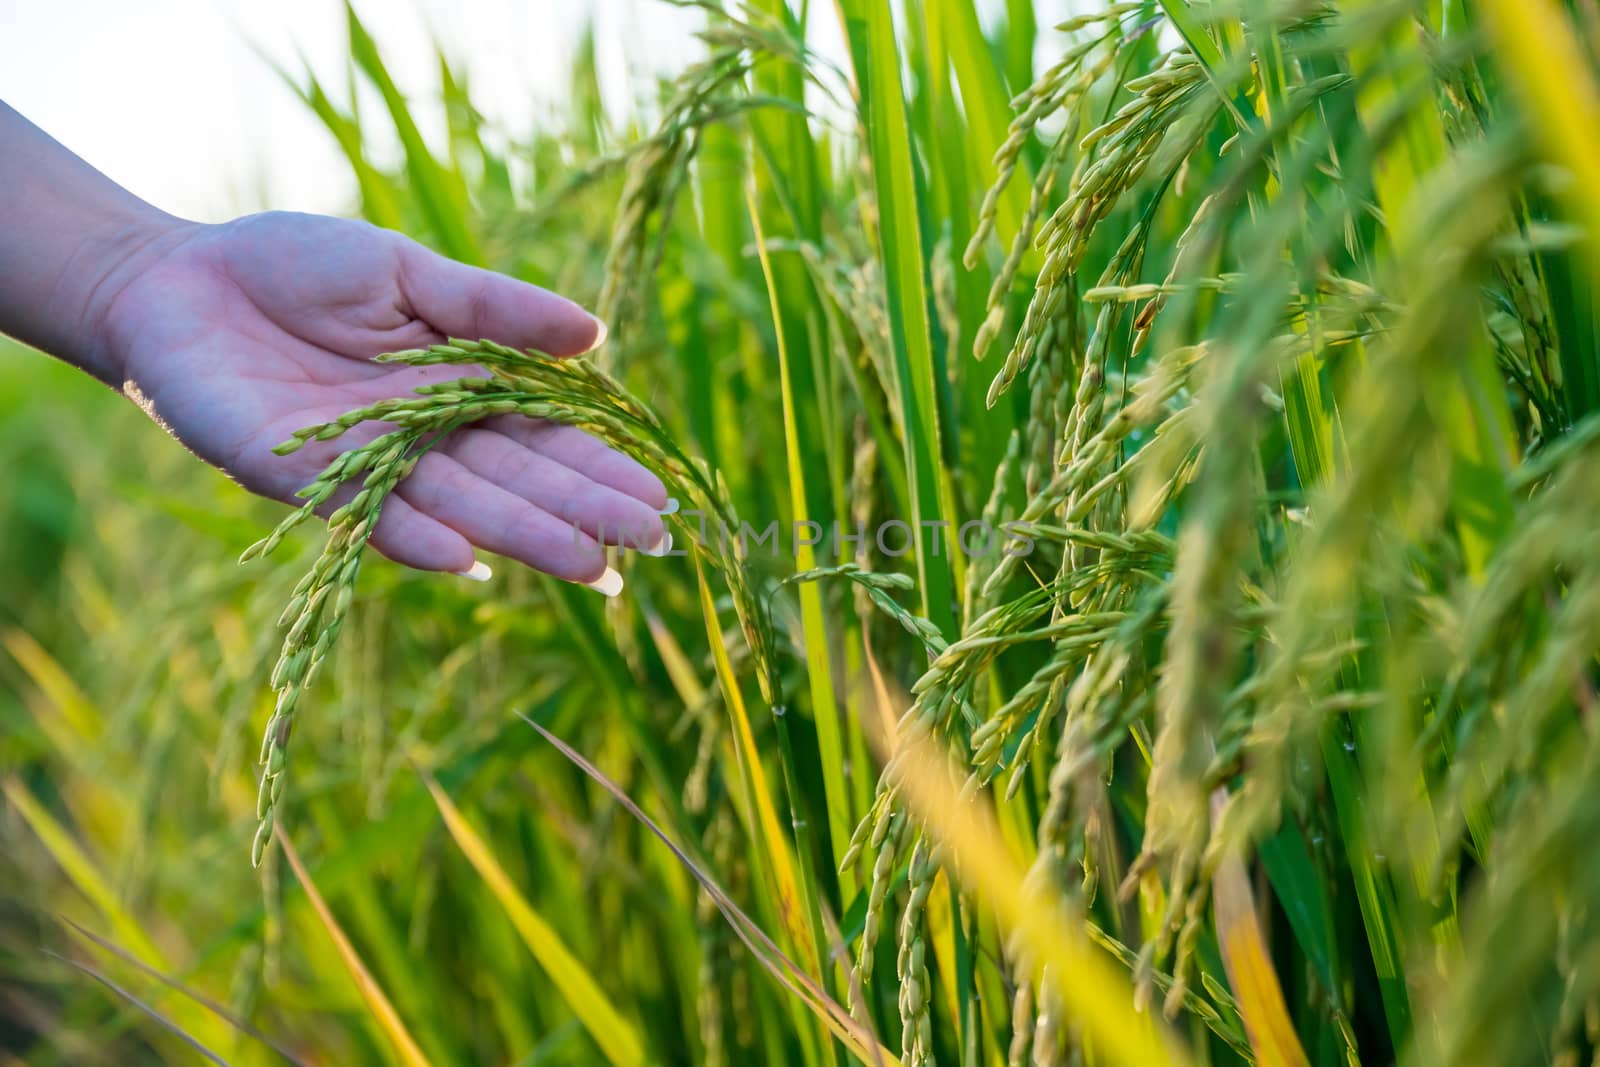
(760, 799)
(1250, 973)
(383, 1011)
(616, 1038)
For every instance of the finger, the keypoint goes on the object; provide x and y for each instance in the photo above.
(261, 470)
(409, 537)
(462, 301)
(586, 454)
(609, 516)
(401, 381)
(403, 534)
(413, 539)
(501, 522)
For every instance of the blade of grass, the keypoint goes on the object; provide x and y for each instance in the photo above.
(819, 669)
(437, 190)
(1537, 52)
(1315, 440)
(466, 132)
(1303, 897)
(1097, 997)
(758, 796)
(680, 670)
(1211, 59)
(1537, 48)
(370, 922)
(986, 105)
(956, 127)
(615, 1036)
(57, 686)
(869, 27)
(1472, 407)
(213, 1006)
(188, 1039)
(1374, 894)
(383, 1013)
(74, 728)
(81, 871)
(1249, 965)
(378, 201)
(861, 1042)
(1022, 32)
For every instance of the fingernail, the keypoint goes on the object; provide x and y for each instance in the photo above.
(478, 572)
(661, 547)
(601, 332)
(671, 508)
(609, 583)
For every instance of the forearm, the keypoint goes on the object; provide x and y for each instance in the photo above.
(70, 238)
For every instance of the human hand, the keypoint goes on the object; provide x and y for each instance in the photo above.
(234, 336)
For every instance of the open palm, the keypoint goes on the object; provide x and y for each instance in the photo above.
(234, 336)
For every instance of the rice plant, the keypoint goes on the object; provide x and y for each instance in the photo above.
(1137, 599)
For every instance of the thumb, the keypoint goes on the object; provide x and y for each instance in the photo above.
(462, 301)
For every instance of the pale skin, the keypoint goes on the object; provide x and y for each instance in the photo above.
(234, 335)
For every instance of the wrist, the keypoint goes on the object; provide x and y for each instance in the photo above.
(112, 255)
(71, 240)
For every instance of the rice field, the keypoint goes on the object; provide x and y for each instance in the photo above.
(1134, 600)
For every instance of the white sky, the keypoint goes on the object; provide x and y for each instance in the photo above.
(171, 98)
(174, 100)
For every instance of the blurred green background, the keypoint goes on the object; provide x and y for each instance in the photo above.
(1293, 286)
